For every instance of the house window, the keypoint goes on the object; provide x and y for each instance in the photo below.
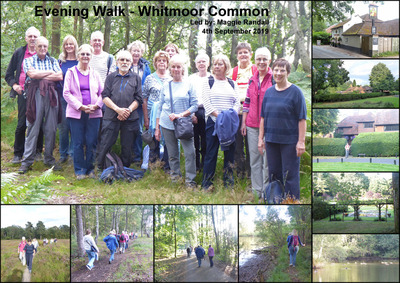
(340, 130)
(388, 128)
(368, 125)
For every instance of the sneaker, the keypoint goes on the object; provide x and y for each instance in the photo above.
(16, 159)
(38, 156)
(30, 271)
(80, 177)
(23, 169)
(88, 267)
(109, 261)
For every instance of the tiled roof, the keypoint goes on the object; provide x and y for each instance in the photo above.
(388, 28)
(387, 117)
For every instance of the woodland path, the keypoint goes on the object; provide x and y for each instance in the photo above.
(192, 273)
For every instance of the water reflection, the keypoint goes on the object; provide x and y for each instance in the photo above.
(246, 245)
(385, 271)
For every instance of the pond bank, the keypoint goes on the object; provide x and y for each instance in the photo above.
(259, 267)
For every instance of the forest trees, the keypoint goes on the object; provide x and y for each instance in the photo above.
(180, 226)
(130, 218)
(328, 73)
(39, 232)
(324, 120)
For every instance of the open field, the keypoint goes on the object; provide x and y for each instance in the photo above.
(51, 264)
(374, 102)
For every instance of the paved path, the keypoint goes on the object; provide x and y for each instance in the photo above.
(360, 160)
(326, 51)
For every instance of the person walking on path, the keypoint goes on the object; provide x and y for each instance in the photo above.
(29, 251)
(112, 244)
(293, 245)
(91, 248)
(211, 255)
(200, 254)
(188, 251)
(35, 243)
(21, 252)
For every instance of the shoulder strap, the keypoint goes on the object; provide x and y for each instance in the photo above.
(235, 73)
(211, 81)
(231, 83)
(109, 61)
(120, 166)
(253, 69)
(114, 163)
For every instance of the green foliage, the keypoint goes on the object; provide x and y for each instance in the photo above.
(324, 120)
(34, 191)
(334, 97)
(319, 26)
(386, 54)
(320, 208)
(379, 144)
(324, 36)
(381, 78)
(328, 73)
(331, 11)
(329, 147)
(270, 227)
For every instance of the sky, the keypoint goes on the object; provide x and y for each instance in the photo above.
(343, 113)
(386, 12)
(50, 215)
(360, 70)
(247, 214)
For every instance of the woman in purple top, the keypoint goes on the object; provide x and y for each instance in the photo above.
(211, 255)
(82, 91)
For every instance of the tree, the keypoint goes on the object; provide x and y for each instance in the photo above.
(324, 120)
(328, 73)
(331, 11)
(381, 78)
(56, 31)
(97, 223)
(215, 230)
(40, 230)
(79, 231)
(29, 230)
(354, 83)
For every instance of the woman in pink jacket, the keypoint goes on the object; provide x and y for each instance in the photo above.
(258, 84)
(82, 91)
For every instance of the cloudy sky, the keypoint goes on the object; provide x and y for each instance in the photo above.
(386, 12)
(50, 215)
(361, 69)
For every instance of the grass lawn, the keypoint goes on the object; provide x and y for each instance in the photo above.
(374, 102)
(367, 225)
(351, 166)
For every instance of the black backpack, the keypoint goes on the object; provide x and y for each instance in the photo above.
(274, 191)
(211, 81)
(115, 170)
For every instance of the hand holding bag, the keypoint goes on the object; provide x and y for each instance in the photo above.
(183, 125)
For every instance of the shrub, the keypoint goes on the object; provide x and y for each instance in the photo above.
(320, 208)
(329, 147)
(323, 36)
(379, 144)
(323, 96)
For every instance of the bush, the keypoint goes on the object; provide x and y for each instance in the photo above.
(379, 144)
(323, 36)
(320, 208)
(329, 147)
(322, 96)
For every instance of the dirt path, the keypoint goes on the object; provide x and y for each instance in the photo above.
(205, 273)
(293, 274)
(26, 277)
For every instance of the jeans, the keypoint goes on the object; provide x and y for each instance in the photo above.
(211, 261)
(292, 252)
(112, 255)
(29, 259)
(65, 139)
(84, 133)
(137, 142)
(199, 260)
(91, 256)
(282, 160)
(210, 161)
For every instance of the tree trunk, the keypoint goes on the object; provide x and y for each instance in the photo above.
(97, 223)
(84, 217)
(175, 228)
(105, 222)
(113, 219)
(299, 37)
(141, 222)
(126, 218)
(192, 45)
(117, 220)
(56, 32)
(395, 184)
(80, 32)
(210, 35)
(215, 230)
(44, 20)
(127, 30)
(79, 230)
(107, 29)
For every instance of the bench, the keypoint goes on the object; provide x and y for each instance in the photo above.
(361, 154)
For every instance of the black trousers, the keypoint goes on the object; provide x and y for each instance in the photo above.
(109, 134)
(19, 141)
(200, 137)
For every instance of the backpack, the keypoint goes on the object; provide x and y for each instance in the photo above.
(115, 170)
(295, 241)
(109, 62)
(211, 81)
(274, 192)
(236, 71)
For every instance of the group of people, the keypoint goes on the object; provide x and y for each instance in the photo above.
(200, 253)
(93, 99)
(27, 249)
(113, 242)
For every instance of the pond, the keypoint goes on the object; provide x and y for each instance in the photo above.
(246, 245)
(383, 271)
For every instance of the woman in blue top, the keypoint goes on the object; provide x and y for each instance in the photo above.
(283, 126)
(293, 246)
(112, 244)
(185, 103)
(29, 250)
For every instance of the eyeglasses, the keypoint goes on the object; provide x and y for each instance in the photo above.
(85, 54)
(124, 60)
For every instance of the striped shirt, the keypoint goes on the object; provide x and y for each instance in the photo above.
(42, 65)
(183, 97)
(198, 83)
(221, 97)
(99, 63)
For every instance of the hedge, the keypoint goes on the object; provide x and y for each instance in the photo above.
(320, 208)
(335, 97)
(323, 36)
(329, 147)
(379, 144)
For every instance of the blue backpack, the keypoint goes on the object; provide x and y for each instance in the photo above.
(274, 191)
(115, 170)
